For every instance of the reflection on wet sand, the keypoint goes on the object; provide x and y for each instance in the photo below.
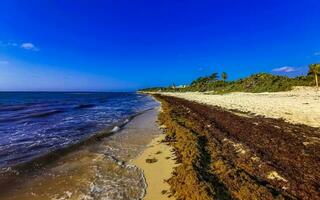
(97, 171)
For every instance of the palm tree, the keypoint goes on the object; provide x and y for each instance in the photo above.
(214, 76)
(224, 76)
(314, 69)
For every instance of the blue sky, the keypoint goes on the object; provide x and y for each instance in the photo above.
(123, 45)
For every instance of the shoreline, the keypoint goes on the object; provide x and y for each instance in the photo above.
(52, 156)
(157, 164)
(85, 173)
(188, 150)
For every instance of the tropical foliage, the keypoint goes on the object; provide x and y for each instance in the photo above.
(224, 76)
(314, 69)
(261, 82)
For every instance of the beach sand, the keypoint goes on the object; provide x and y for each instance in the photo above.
(227, 155)
(157, 172)
(299, 106)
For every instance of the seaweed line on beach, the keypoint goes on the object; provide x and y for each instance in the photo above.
(226, 156)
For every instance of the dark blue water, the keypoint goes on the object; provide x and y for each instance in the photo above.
(33, 124)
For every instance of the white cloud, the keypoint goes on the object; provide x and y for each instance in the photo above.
(317, 53)
(285, 69)
(29, 46)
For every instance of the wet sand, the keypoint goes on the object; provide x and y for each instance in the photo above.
(160, 170)
(101, 170)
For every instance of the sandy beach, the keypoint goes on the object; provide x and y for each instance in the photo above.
(159, 170)
(224, 154)
(299, 106)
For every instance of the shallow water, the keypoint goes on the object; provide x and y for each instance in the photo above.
(101, 170)
(35, 123)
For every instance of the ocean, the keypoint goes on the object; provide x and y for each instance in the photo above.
(39, 126)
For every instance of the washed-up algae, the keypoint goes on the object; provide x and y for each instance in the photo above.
(222, 155)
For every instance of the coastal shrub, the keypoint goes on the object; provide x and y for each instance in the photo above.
(267, 83)
(262, 82)
(314, 69)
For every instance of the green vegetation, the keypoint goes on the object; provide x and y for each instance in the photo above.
(261, 82)
(314, 69)
(224, 76)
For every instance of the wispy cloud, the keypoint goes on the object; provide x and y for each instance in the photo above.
(24, 45)
(29, 46)
(317, 53)
(8, 44)
(285, 69)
